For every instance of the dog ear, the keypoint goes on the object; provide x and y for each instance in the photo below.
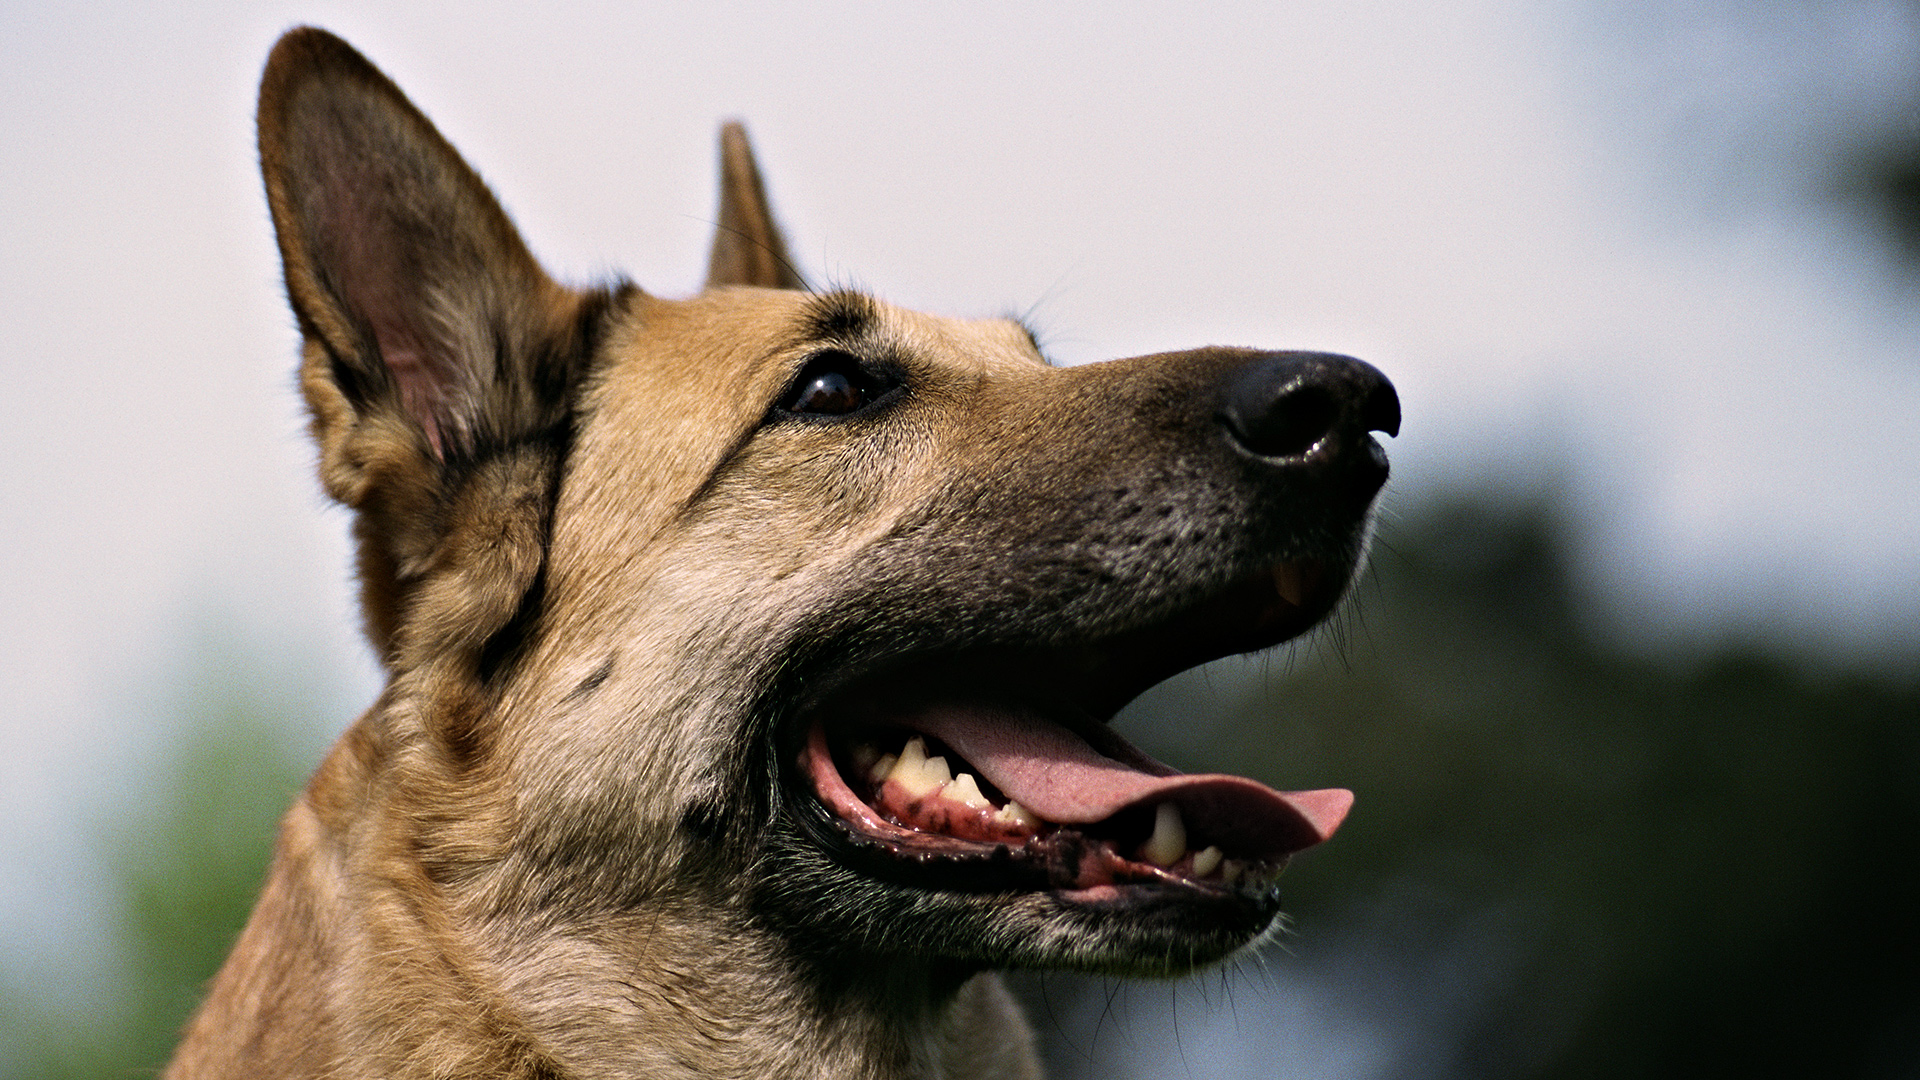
(747, 246)
(399, 263)
(440, 359)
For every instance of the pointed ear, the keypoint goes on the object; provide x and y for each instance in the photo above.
(400, 265)
(747, 246)
(440, 360)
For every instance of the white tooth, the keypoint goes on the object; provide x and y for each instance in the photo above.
(965, 790)
(936, 770)
(882, 768)
(1204, 862)
(1169, 839)
(1015, 814)
(914, 754)
(1231, 870)
(863, 755)
(910, 772)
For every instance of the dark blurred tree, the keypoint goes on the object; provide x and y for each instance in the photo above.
(1690, 868)
(1881, 183)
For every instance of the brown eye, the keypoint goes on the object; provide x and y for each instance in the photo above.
(833, 384)
(827, 392)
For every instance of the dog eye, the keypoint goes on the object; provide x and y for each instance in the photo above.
(833, 384)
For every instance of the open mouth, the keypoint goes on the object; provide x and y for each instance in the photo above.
(995, 769)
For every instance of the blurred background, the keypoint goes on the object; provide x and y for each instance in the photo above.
(1630, 696)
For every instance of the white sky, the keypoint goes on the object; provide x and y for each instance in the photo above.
(1576, 236)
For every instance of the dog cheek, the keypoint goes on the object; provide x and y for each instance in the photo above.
(493, 549)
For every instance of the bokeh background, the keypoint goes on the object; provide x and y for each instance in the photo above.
(1631, 696)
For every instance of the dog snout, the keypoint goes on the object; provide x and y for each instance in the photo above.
(1304, 407)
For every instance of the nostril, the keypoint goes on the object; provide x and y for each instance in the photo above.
(1380, 411)
(1297, 405)
(1284, 421)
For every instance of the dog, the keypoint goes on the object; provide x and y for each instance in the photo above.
(749, 656)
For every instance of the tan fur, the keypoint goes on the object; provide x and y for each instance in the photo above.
(550, 848)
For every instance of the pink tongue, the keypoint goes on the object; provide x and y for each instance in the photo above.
(1059, 776)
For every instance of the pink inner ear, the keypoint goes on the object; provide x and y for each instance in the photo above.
(375, 279)
(422, 394)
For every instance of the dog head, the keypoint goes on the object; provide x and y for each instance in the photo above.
(683, 599)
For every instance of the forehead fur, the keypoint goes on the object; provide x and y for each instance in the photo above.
(683, 384)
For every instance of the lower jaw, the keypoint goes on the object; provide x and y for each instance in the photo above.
(1134, 930)
(843, 896)
(1057, 866)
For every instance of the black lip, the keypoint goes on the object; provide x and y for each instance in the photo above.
(1048, 867)
(1080, 684)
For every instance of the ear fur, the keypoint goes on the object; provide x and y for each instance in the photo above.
(747, 246)
(440, 361)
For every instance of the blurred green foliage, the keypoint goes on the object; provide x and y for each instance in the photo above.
(186, 865)
(1693, 867)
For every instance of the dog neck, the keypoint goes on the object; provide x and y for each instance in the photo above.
(670, 993)
(357, 962)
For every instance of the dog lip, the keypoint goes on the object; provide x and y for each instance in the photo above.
(1262, 609)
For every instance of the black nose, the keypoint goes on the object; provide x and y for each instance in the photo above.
(1294, 405)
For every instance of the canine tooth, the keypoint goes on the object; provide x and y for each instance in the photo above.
(914, 754)
(911, 773)
(965, 790)
(1015, 814)
(883, 768)
(1169, 839)
(1290, 581)
(936, 770)
(1204, 863)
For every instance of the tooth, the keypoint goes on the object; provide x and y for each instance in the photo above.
(1232, 870)
(1169, 839)
(911, 773)
(1290, 580)
(936, 770)
(965, 790)
(914, 754)
(1015, 814)
(863, 755)
(880, 769)
(1204, 863)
